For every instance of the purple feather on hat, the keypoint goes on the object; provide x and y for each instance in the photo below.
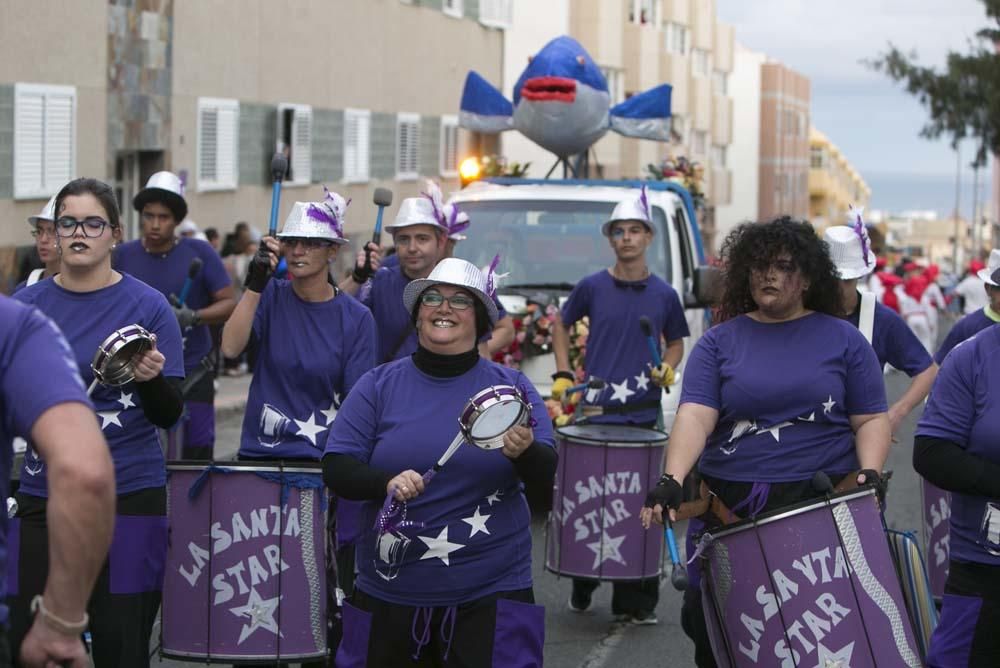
(182, 176)
(329, 211)
(491, 272)
(859, 229)
(437, 202)
(457, 221)
(644, 201)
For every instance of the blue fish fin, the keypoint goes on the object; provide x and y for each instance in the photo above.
(484, 108)
(645, 116)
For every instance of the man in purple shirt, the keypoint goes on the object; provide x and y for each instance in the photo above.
(980, 318)
(191, 275)
(42, 399)
(617, 352)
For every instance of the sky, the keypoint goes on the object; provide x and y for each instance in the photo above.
(871, 119)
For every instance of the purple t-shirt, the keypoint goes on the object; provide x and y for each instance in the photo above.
(167, 272)
(894, 342)
(86, 319)
(968, 326)
(785, 393)
(964, 408)
(475, 539)
(311, 355)
(37, 372)
(617, 350)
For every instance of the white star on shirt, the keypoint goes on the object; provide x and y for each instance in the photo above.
(642, 382)
(495, 496)
(477, 522)
(439, 547)
(838, 659)
(261, 614)
(775, 431)
(606, 548)
(811, 418)
(331, 412)
(309, 429)
(126, 401)
(109, 417)
(621, 391)
(828, 404)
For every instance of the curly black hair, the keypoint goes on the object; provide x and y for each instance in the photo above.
(753, 245)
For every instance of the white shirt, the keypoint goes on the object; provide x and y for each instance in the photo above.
(971, 288)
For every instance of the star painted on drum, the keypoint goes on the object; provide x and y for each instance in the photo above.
(642, 382)
(477, 522)
(593, 393)
(309, 429)
(331, 412)
(607, 548)
(828, 404)
(495, 496)
(261, 615)
(126, 401)
(775, 431)
(109, 417)
(439, 547)
(838, 659)
(621, 391)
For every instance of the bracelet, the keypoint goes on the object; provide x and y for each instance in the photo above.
(57, 623)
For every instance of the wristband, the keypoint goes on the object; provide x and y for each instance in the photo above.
(665, 478)
(568, 375)
(361, 274)
(56, 623)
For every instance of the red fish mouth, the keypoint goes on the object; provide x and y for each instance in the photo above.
(549, 89)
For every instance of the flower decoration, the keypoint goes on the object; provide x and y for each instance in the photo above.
(684, 172)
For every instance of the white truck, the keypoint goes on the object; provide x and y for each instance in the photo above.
(548, 234)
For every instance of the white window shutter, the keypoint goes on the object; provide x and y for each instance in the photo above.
(449, 146)
(302, 145)
(29, 144)
(218, 143)
(226, 159)
(208, 146)
(59, 142)
(407, 143)
(357, 125)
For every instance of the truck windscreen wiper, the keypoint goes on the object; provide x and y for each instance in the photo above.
(536, 286)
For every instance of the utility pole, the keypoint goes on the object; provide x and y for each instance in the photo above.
(958, 202)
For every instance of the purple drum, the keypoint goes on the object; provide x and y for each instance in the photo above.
(594, 530)
(812, 584)
(937, 510)
(245, 538)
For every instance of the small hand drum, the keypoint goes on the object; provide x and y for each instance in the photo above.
(112, 363)
(491, 413)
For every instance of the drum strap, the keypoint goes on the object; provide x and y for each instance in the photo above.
(34, 277)
(866, 320)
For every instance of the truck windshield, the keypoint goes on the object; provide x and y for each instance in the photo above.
(550, 244)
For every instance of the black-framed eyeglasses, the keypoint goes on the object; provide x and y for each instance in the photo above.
(457, 302)
(307, 242)
(93, 226)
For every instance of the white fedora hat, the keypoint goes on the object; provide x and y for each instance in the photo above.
(164, 187)
(416, 211)
(48, 212)
(632, 208)
(991, 274)
(846, 252)
(317, 220)
(459, 273)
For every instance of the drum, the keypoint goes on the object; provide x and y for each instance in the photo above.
(491, 413)
(112, 364)
(937, 511)
(811, 584)
(601, 482)
(245, 538)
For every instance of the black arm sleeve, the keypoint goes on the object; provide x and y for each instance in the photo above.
(537, 464)
(161, 400)
(954, 469)
(354, 480)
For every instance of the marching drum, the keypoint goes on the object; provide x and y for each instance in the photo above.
(603, 474)
(937, 511)
(811, 584)
(245, 538)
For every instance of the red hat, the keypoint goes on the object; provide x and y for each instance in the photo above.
(880, 263)
(975, 266)
(911, 266)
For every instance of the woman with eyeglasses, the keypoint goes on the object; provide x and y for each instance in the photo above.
(44, 231)
(89, 300)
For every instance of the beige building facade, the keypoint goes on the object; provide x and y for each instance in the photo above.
(834, 184)
(211, 89)
(784, 143)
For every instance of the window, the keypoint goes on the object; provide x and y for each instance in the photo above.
(452, 8)
(699, 62)
(642, 12)
(44, 139)
(816, 157)
(295, 137)
(357, 129)
(496, 13)
(616, 83)
(720, 82)
(718, 157)
(407, 146)
(699, 142)
(218, 143)
(676, 38)
(449, 146)
(678, 127)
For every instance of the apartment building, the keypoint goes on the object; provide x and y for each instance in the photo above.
(784, 143)
(834, 184)
(364, 93)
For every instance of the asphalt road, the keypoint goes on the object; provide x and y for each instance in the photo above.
(593, 639)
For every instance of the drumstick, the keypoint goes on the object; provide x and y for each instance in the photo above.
(193, 270)
(279, 165)
(654, 345)
(593, 384)
(678, 573)
(452, 449)
(93, 386)
(382, 199)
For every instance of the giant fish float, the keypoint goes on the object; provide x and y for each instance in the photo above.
(562, 103)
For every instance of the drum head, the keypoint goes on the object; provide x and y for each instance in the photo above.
(496, 419)
(611, 434)
(120, 363)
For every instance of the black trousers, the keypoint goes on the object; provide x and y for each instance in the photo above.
(969, 628)
(120, 624)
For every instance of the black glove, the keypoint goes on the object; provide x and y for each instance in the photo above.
(362, 272)
(186, 317)
(875, 479)
(258, 273)
(668, 493)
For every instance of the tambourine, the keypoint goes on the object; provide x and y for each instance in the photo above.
(112, 363)
(491, 413)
